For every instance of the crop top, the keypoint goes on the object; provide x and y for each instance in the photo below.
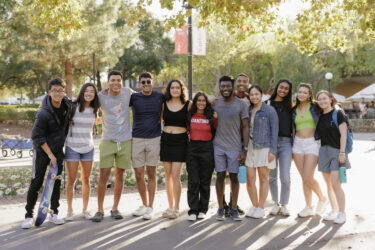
(304, 121)
(178, 118)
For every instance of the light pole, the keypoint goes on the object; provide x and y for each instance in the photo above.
(329, 77)
(190, 51)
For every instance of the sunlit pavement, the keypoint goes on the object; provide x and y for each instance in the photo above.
(268, 233)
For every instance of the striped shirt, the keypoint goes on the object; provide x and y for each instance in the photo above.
(80, 132)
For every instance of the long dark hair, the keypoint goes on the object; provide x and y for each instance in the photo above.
(287, 100)
(309, 87)
(168, 95)
(255, 87)
(81, 100)
(208, 111)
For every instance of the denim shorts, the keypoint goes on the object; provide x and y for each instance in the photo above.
(73, 156)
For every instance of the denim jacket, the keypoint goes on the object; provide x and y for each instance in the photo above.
(315, 113)
(266, 128)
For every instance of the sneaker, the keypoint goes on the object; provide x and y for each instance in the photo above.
(220, 214)
(87, 215)
(116, 215)
(284, 211)
(167, 213)
(275, 210)
(259, 213)
(330, 216)
(69, 216)
(140, 211)
(192, 217)
(55, 219)
(340, 218)
(240, 211)
(98, 217)
(307, 211)
(201, 215)
(321, 207)
(235, 215)
(175, 214)
(227, 210)
(27, 223)
(251, 211)
(149, 213)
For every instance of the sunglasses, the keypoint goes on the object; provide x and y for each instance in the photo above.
(144, 82)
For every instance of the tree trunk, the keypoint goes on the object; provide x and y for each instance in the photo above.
(68, 77)
(98, 82)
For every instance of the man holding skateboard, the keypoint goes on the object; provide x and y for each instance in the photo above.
(48, 135)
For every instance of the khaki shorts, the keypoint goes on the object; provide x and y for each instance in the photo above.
(145, 152)
(115, 154)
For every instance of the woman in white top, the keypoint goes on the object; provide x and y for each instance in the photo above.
(79, 146)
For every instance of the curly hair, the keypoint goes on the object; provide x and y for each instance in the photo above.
(309, 87)
(167, 92)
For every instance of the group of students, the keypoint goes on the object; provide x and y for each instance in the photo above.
(238, 128)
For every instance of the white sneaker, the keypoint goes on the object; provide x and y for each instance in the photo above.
(340, 218)
(69, 216)
(140, 211)
(87, 215)
(201, 215)
(192, 217)
(259, 213)
(250, 212)
(27, 223)
(55, 219)
(307, 211)
(275, 210)
(149, 213)
(321, 207)
(330, 216)
(284, 211)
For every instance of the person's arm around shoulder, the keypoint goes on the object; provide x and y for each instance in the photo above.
(245, 130)
(274, 123)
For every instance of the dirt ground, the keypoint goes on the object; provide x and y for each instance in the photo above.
(13, 129)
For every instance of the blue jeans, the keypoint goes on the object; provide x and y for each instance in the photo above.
(283, 162)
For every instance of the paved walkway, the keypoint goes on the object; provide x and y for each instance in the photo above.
(268, 233)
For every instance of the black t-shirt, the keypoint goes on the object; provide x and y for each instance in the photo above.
(328, 132)
(285, 118)
(59, 113)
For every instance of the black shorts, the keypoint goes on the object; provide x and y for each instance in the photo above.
(173, 147)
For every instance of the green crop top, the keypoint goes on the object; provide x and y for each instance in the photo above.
(304, 121)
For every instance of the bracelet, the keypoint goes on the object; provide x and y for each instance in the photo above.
(245, 148)
(342, 154)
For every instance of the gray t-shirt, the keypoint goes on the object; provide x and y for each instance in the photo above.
(228, 131)
(116, 121)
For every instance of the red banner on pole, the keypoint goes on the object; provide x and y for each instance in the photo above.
(181, 44)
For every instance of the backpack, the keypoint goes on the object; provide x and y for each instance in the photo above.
(349, 134)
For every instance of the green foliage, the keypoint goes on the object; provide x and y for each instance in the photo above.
(18, 113)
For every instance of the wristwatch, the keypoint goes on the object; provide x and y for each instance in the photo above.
(245, 148)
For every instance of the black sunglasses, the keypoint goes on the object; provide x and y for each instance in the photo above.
(144, 82)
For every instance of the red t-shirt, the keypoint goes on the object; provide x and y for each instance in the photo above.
(200, 129)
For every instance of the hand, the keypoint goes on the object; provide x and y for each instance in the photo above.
(342, 159)
(53, 160)
(105, 91)
(242, 157)
(271, 157)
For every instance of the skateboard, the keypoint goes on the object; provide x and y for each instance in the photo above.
(46, 197)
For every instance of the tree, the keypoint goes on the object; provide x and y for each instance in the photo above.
(150, 52)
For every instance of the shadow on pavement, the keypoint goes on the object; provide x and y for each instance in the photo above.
(159, 233)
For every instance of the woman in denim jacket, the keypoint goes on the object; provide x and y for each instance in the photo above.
(305, 117)
(264, 129)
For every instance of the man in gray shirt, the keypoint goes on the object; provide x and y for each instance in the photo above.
(115, 147)
(232, 121)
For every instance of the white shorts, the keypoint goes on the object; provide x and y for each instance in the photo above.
(258, 157)
(306, 146)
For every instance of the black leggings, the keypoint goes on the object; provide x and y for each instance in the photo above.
(40, 164)
(199, 165)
